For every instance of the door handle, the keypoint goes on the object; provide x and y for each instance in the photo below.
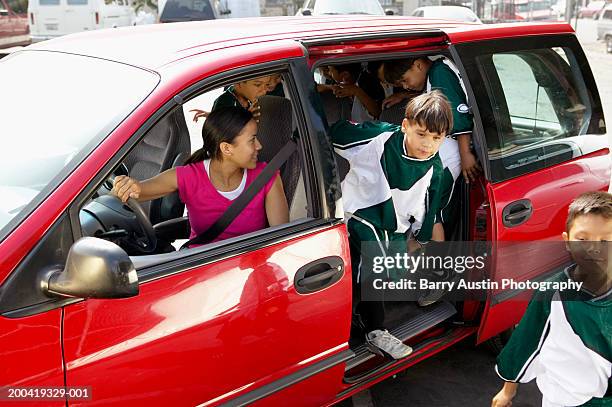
(319, 274)
(517, 213)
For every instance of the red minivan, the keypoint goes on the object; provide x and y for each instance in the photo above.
(95, 298)
(14, 29)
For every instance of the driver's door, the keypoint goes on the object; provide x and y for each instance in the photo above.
(229, 322)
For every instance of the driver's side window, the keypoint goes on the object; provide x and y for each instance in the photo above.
(208, 151)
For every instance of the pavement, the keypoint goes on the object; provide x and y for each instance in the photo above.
(464, 375)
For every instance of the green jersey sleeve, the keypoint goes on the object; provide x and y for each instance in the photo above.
(434, 193)
(345, 134)
(526, 340)
(442, 78)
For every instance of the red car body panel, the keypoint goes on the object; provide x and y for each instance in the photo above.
(31, 353)
(551, 191)
(224, 318)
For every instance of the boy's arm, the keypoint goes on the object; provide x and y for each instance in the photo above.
(515, 362)
(423, 235)
(347, 137)
(445, 80)
(505, 395)
(374, 107)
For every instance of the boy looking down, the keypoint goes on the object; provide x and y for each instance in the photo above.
(391, 193)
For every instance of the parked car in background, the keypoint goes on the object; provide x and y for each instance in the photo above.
(14, 29)
(592, 10)
(174, 11)
(523, 10)
(604, 27)
(447, 12)
(54, 18)
(334, 7)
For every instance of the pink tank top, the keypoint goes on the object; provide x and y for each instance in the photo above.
(205, 204)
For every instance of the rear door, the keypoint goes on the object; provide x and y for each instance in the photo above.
(540, 124)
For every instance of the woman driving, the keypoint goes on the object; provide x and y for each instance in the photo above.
(215, 175)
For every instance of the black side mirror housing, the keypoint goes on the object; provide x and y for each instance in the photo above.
(95, 268)
(389, 12)
(307, 12)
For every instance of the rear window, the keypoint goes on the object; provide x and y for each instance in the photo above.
(541, 106)
(76, 2)
(49, 2)
(49, 126)
(187, 10)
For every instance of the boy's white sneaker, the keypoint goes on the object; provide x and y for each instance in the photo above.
(383, 343)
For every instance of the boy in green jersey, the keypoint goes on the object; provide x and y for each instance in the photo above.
(424, 75)
(390, 194)
(564, 340)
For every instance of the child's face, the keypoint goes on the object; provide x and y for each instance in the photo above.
(420, 142)
(340, 77)
(253, 89)
(588, 241)
(415, 77)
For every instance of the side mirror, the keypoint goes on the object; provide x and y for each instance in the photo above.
(307, 12)
(389, 12)
(95, 268)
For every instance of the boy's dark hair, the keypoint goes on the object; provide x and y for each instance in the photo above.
(431, 110)
(394, 70)
(221, 126)
(589, 203)
(354, 69)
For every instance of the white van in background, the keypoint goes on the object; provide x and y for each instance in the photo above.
(53, 18)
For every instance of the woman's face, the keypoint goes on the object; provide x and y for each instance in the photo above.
(253, 88)
(245, 147)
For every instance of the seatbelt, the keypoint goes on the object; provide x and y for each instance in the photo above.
(245, 197)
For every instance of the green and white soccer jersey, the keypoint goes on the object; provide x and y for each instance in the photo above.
(566, 345)
(443, 76)
(386, 188)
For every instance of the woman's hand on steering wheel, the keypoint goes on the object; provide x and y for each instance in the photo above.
(125, 188)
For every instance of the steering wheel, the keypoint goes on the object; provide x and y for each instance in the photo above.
(146, 241)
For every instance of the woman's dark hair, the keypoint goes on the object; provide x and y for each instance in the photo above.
(221, 126)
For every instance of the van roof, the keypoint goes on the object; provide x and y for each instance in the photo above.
(155, 46)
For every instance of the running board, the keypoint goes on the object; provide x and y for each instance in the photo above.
(435, 314)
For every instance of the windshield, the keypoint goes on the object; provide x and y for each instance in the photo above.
(321, 7)
(55, 108)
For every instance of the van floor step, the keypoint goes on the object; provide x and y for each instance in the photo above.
(434, 315)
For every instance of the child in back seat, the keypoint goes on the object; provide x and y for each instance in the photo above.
(364, 88)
